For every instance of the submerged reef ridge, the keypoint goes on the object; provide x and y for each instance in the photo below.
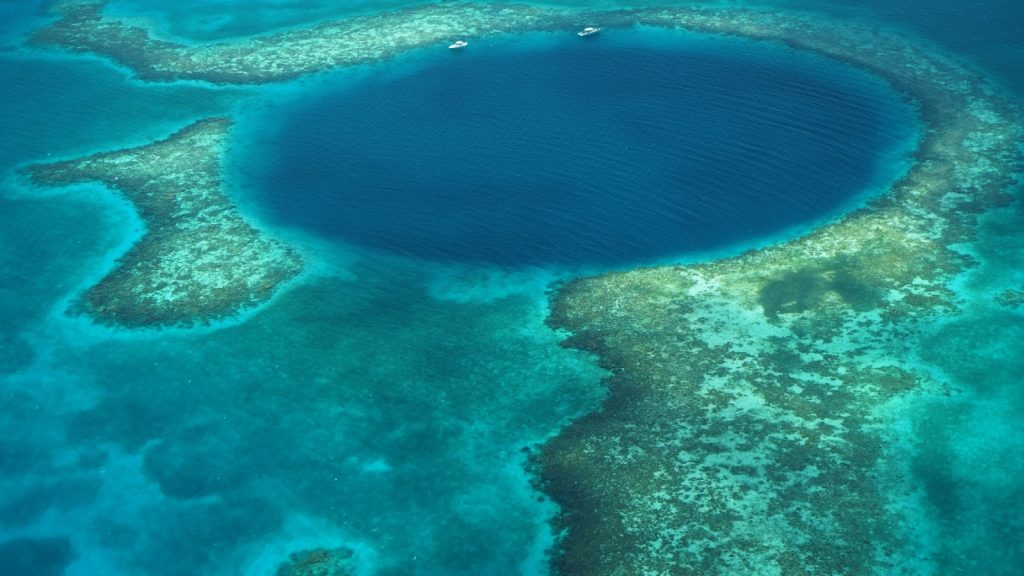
(82, 27)
(748, 424)
(199, 260)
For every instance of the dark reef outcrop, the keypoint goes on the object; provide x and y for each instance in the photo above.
(318, 562)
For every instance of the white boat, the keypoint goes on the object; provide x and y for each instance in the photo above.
(588, 31)
(458, 45)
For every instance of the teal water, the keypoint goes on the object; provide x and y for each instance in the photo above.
(382, 404)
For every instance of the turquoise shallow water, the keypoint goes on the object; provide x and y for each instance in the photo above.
(383, 404)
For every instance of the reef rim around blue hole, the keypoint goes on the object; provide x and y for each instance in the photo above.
(630, 148)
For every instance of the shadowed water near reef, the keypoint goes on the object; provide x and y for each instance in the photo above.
(750, 423)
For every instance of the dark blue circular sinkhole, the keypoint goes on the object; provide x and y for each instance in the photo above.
(611, 151)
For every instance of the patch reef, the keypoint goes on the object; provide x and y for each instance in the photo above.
(746, 430)
(199, 260)
(318, 562)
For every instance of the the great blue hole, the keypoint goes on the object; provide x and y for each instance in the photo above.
(609, 151)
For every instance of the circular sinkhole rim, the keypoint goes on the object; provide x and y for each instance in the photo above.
(888, 164)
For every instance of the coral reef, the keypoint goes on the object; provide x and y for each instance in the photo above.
(1011, 298)
(318, 562)
(82, 27)
(199, 260)
(746, 429)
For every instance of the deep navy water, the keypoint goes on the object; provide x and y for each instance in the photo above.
(383, 403)
(603, 152)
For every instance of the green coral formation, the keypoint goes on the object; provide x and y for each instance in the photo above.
(318, 562)
(199, 260)
(747, 427)
(82, 27)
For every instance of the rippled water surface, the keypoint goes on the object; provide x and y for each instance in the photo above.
(641, 146)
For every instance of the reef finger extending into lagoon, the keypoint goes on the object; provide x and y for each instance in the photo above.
(199, 260)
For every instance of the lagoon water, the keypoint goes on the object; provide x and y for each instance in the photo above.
(383, 402)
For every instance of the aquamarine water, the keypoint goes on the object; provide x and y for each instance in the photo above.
(383, 403)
